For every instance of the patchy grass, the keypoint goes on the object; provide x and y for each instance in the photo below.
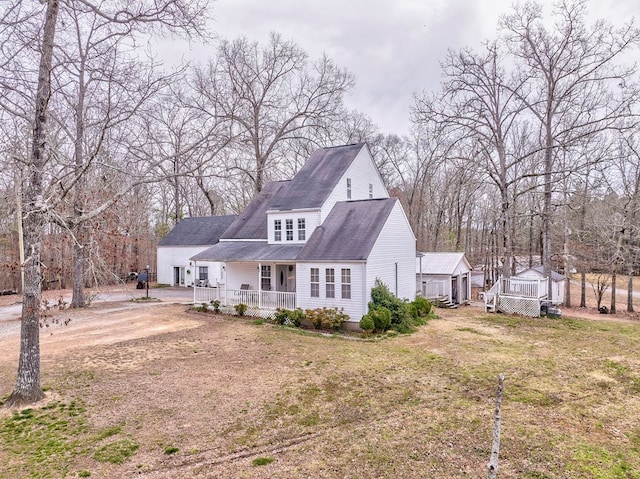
(231, 393)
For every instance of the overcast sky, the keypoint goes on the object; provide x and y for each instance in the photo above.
(393, 47)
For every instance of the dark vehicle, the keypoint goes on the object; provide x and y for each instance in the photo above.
(142, 280)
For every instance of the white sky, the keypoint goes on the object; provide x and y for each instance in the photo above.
(393, 47)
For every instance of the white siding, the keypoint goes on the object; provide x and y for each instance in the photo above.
(396, 244)
(170, 257)
(311, 217)
(362, 172)
(242, 273)
(353, 307)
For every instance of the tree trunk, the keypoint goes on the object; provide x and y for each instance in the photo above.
(27, 389)
(583, 289)
(612, 309)
(78, 299)
(630, 289)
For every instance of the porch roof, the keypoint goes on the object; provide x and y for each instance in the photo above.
(249, 251)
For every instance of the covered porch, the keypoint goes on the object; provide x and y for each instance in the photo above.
(262, 286)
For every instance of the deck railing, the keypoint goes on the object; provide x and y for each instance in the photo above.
(524, 288)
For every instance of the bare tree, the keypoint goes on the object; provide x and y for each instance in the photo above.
(270, 97)
(175, 15)
(571, 79)
(478, 105)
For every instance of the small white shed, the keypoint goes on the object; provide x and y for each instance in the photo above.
(557, 282)
(444, 275)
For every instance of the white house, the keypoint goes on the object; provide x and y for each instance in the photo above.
(445, 275)
(557, 282)
(319, 239)
(190, 237)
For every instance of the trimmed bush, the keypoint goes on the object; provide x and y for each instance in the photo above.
(367, 324)
(405, 316)
(381, 318)
(288, 317)
(329, 318)
(240, 308)
(216, 306)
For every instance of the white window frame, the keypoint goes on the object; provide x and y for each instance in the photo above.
(288, 225)
(330, 282)
(345, 276)
(314, 281)
(277, 230)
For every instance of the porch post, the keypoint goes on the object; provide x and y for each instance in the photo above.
(259, 285)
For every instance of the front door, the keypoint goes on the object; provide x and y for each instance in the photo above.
(285, 278)
(178, 276)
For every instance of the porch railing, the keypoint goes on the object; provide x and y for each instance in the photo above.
(252, 298)
(206, 294)
(433, 289)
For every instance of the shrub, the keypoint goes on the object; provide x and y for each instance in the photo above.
(288, 317)
(316, 316)
(367, 324)
(335, 318)
(421, 307)
(405, 316)
(381, 296)
(240, 308)
(216, 306)
(202, 308)
(381, 318)
(330, 318)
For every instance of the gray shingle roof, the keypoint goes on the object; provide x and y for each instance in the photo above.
(349, 232)
(252, 223)
(249, 251)
(199, 231)
(309, 188)
(317, 178)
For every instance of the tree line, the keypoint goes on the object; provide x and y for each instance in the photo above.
(527, 153)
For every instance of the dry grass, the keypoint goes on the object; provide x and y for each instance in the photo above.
(237, 400)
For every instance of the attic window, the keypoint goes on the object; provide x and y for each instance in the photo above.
(370, 191)
(277, 230)
(289, 229)
(348, 188)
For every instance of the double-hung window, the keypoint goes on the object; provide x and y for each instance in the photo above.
(302, 233)
(277, 230)
(346, 283)
(265, 278)
(330, 283)
(203, 273)
(289, 229)
(315, 282)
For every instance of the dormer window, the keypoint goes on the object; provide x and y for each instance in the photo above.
(302, 233)
(277, 230)
(289, 229)
(348, 188)
(370, 191)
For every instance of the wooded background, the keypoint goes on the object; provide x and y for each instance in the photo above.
(528, 153)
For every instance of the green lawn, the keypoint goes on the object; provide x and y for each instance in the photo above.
(237, 399)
